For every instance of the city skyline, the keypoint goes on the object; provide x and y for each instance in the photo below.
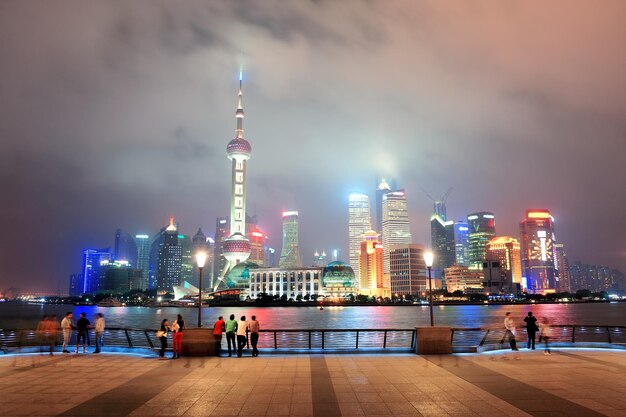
(120, 127)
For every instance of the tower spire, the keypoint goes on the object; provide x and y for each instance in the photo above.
(239, 112)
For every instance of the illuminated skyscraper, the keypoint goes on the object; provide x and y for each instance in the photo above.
(290, 253)
(461, 243)
(166, 258)
(142, 242)
(124, 249)
(537, 238)
(187, 260)
(92, 258)
(506, 250)
(359, 222)
(257, 242)
(200, 243)
(442, 243)
(561, 265)
(222, 229)
(396, 229)
(482, 227)
(408, 269)
(383, 188)
(371, 266)
(236, 247)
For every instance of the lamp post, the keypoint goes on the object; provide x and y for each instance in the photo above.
(428, 258)
(200, 261)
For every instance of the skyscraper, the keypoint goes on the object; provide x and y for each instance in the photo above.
(187, 260)
(142, 242)
(561, 266)
(408, 269)
(257, 238)
(359, 222)
(236, 247)
(124, 249)
(482, 227)
(222, 229)
(371, 266)
(442, 243)
(290, 252)
(166, 258)
(506, 250)
(537, 238)
(461, 243)
(382, 189)
(199, 243)
(92, 258)
(396, 229)
(76, 285)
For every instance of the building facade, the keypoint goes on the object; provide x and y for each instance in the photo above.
(142, 242)
(537, 239)
(408, 269)
(257, 238)
(461, 243)
(396, 229)
(290, 253)
(561, 268)
(200, 243)
(482, 228)
(461, 278)
(373, 280)
(506, 250)
(359, 222)
(382, 189)
(442, 243)
(166, 258)
(92, 258)
(222, 231)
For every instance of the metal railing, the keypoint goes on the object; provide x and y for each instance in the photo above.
(390, 340)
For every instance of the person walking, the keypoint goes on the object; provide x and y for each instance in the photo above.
(177, 327)
(41, 333)
(231, 329)
(52, 326)
(510, 331)
(254, 336)
(162, 335)
(546, 333)
(531, 329)
(99, 329)
(242, 329)
(218, 329)
(82, 325)
(67, 326)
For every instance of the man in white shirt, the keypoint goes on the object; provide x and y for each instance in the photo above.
(99, 329)
(242, 328)
(66, 327)
(510, 330)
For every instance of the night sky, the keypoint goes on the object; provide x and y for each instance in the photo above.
(117, 115)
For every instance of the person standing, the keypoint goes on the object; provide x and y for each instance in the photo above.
(177, 328)
(82, 325)
(218, 330)
(546, 333)
(67, 326)
(99, 329)
(531, 329)
(52, 326)
(242, 329)
(510, 330)
(254, 336)
(162, 335)
(231, 329)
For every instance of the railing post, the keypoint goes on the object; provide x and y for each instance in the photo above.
(385, 340)
(451, 335)
(275, 343)
(147, 337)
(130, 343)
(309, 339)
(19, 339)
(573, 334)
(413, 335)
(608, 333)
(357, 339)
(482, 342)
(322, 339)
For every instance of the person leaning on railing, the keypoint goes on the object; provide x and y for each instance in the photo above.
(254, 336)
(162, 335)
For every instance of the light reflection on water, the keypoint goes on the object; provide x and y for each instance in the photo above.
(26, 315)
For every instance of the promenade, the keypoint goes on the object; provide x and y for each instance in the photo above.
(570, 382)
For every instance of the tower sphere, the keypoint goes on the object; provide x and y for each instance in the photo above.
(239, 147)
(236, 248)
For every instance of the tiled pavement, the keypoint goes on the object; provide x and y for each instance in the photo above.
(568, 383)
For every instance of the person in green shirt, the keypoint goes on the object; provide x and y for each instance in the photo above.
(231, 330)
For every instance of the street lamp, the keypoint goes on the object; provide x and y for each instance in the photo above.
(200, 261)
(428, 258)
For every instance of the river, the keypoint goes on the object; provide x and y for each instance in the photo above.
(18, 315)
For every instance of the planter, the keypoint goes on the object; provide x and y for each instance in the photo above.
(198, 342)
(433, 340)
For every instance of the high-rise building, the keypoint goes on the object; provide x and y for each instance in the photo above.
(482, 227)
(166, 258)
(442, 242)
(506, 250)
(270, 257)
(382, 189)
(537, 238)
(200, 243)
(408, 269)
(257, 238)
(461, 243)
(371, 267)
(76, 285)
(396, 229)
(561, 266)
(461, 278)
(187, 260)
(236, 247)
(124, 249)
(359, 222)
(118, 277)
(320, 259)
(142, 242)
(290, 253)
(222, 230)
(92, 258)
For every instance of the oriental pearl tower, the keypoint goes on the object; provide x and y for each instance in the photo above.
(236, 247)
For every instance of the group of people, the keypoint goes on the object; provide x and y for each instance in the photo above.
(236, 334)
(532, 328)
(177, 328)
(48, 328)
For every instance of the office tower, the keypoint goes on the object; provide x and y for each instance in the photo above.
(407, 269)
(118, 277)
(257, 238)
(561, 266)
(290, 252)
(461, 278)
(236, 247)
(142, 242)
(396, 230)
(382, 189)
(124, 249)
(506, 250)
(537, 237)
(199, 243)
(92, 258)
(442, 243)
(482, 227)
(76, 285)
(187, 260)
(461, 243)
(270, 257)
(166, 258)
(222, 229)
(320, 259)
(494, 278)
(371, 266)
(359, 222)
